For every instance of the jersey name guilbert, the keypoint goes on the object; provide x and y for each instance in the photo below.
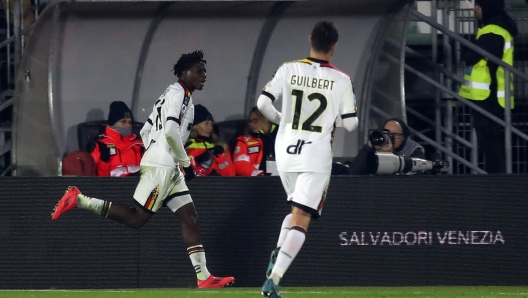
(309, 82)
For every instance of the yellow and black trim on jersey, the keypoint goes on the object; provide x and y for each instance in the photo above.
(185, 104)
(268, 95)
(305, 60)
(348, 115)
(174, 119)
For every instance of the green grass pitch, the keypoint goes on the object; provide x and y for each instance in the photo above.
(297, 292)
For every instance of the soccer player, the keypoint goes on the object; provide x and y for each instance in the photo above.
(165, 168)
(314, 93)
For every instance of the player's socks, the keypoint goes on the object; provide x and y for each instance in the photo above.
(197, 255)
(100, 207)
(285, 228)
(289, 250)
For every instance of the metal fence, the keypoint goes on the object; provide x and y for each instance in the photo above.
(16, 24)
(451, 127)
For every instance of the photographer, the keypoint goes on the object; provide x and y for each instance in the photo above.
(395, 138)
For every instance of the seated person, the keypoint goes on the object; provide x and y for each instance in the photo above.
(118, 151)
(256, 146)
(207, 154)
(403, 145)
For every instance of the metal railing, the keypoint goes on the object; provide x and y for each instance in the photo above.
(456, 135)
(19, 22)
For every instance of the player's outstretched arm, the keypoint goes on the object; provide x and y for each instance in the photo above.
(265, 106)
(172, 133)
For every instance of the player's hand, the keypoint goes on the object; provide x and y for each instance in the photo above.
(189, 173)
(217, 150)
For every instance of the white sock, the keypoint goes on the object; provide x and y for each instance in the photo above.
(197, 256)
(100, 207)
(289, 249)
(285, 228)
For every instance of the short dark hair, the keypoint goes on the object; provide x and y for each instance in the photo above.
(187, 61)
(324, 36)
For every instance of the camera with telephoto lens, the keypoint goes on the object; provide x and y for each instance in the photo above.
(389, 163)
(381, 138)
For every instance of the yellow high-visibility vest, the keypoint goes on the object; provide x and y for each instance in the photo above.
(477, 79)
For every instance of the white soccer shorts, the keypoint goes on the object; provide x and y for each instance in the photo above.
(162, 186)
(306, 190)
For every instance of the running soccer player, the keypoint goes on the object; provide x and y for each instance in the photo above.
(165, 167)
(314, 93)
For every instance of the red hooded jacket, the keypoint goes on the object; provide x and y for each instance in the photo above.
(117, 156)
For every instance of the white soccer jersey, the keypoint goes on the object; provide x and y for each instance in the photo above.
(175, 104)
(314, 93)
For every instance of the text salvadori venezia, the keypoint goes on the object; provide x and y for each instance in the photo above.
(422, 238)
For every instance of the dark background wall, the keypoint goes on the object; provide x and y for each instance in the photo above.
(386, 231)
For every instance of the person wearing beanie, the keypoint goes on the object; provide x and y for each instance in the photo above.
(118, 151)
(165, 169)
(119, 112)
(484, 81)
(207, 154)
(399, 143)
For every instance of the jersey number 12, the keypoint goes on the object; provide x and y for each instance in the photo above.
(307, 124)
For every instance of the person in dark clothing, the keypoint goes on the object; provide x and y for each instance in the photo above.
(484, 80)
(403, 145)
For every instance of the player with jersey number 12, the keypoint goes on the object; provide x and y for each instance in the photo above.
(165, 167)
(314, 93)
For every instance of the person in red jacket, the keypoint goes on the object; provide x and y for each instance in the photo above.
(256, 146)
(207, 154)
(118, 151)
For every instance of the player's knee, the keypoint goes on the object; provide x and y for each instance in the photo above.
(139, 218)
(188, 215)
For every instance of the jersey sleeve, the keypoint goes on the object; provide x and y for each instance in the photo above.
(348, 107)
(172, 110)
(274, 87)
(145, 130)
(172, 107)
